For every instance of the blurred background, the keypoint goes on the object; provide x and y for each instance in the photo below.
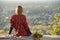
(43, 16)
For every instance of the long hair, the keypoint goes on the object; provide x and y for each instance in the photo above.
(19, 10)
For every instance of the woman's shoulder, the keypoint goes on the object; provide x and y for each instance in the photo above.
(13, 15)
(23, 16)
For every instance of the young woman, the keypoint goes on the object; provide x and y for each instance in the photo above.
(19, 24)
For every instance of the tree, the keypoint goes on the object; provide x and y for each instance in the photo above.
(56, 26)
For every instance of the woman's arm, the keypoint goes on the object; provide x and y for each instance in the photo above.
(11, 28)
(11, 24)
(26, 27)
(25, 23)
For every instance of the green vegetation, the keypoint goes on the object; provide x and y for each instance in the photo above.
(56, 26)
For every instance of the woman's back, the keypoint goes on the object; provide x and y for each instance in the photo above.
(22, 27)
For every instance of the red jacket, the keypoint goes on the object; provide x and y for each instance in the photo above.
(23, 25)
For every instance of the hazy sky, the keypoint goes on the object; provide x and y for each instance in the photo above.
(28, 0)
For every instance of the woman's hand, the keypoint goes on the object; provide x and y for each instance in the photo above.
(8, 35)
